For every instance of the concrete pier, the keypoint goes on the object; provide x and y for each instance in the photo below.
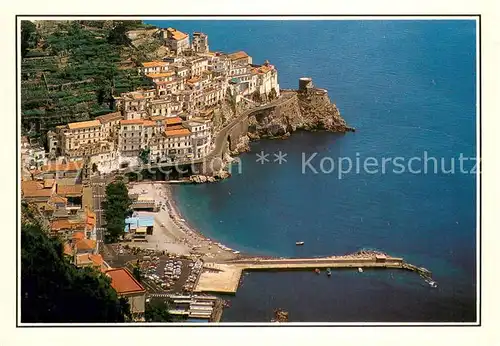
(225, 277)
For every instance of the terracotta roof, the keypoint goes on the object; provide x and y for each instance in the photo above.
(61, 224)
(84, 124)
(149, 123)
(173, 133)
(95, 260)
(65, 190)
(106, 118)
(78, 236)
(68, 250)
(176, 34)
(173, 120)
(158, 118)
(35, 172)
(124, 282)
(85, 244)
(58, 199)
(159, 75)
(31, 185)
(238, 55)
(193, 80)
(154, 64)
(132, 122)
(47, 183)
(61, 167)
(262, 69)
(175, 127)
(38, 193)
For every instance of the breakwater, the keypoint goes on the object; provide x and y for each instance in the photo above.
(224, 277)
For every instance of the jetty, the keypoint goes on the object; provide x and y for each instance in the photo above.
(225, 277)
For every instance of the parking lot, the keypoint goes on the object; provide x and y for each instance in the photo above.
(170, 275)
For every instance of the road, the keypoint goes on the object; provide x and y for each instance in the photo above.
(98, 185)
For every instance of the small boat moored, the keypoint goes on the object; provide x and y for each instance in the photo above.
(328, 272)
(299, 243)
(360, 269)
(317, 271)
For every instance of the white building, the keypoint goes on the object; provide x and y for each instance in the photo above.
(176, 40)
(265, 78)
(154, 67)
(201, 137)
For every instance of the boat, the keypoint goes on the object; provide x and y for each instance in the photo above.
(328, 271)
(431, 282)
(360, 270)
(317, 271)
(299, 243)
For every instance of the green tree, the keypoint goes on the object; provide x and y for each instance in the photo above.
(116, 209)
(29, 37)
(118, 35)
(144, 155)
(137, 273)
(53, 290)
(157, 311)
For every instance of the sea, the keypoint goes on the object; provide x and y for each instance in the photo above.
(409, 88)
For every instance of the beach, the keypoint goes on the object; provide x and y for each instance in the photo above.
(171, 232)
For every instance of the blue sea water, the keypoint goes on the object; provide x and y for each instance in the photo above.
(409, 88)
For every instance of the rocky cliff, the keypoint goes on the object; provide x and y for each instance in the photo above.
(308, 110)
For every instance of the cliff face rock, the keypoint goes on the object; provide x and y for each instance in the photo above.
(311, 111)
(319, 113)
(276, 121)
(242, 146)
(202, 179)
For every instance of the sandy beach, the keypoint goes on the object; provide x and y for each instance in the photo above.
(171, 232)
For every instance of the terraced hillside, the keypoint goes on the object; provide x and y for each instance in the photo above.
(71, 69)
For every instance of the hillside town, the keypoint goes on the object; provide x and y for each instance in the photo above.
(64, 182)
(173, 121)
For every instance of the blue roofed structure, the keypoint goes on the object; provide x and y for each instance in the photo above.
(139, 221)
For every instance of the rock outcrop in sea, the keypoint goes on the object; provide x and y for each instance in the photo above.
(307, 109)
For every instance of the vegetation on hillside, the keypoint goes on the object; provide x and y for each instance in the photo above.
(55, 291)
(116, 209)
(71, 69)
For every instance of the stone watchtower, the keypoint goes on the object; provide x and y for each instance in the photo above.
(305, 84)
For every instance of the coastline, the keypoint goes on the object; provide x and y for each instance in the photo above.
(174, 234)
(177, 217)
